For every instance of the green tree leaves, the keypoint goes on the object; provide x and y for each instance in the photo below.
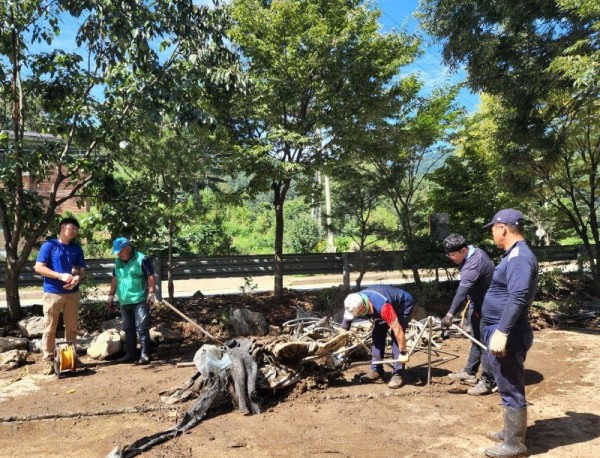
(540, 60)
(129, 70)
(319, 71)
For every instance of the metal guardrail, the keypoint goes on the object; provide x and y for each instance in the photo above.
(194, 267)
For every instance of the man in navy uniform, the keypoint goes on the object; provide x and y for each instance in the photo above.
(507, 331)
(476, 271)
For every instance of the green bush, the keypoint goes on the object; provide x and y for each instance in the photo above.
(342, 243)
(434, 297)
(561, 291)
(302, 234)
(327, 302)
(249, 286)
(93, 313)
(550, 284)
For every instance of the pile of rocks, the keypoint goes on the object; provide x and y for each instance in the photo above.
(105, 344)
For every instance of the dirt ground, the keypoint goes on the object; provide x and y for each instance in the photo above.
(89, 413)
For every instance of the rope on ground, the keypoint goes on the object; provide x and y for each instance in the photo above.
(23, 374)
(123, 411)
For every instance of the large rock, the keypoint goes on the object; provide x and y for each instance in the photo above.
(105, 345)
(12, 359)
(83, 343)
(32, 326)
(12, 343)
(245, 322)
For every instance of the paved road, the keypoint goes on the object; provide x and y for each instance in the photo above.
(186, 288)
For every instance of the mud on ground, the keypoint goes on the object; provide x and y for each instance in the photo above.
(104, 405)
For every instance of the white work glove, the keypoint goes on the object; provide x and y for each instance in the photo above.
(498, 343)
(403, 357)
(151, 300)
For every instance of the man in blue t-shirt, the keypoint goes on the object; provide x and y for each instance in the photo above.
(476, 271)
(390, 308)
(62, 264)
(506, 328)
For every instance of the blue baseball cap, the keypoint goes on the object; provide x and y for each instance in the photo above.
(119, 244)
(507, 216)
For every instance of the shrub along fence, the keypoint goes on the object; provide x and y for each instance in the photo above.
(188, 267)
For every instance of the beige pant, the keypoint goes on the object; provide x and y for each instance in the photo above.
(53, 305)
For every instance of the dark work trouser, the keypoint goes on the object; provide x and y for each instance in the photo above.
(478, 355)
(136, 317)
(509, 370)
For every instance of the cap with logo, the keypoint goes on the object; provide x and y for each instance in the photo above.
(507, 216)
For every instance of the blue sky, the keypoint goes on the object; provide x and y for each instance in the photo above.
(399, 15)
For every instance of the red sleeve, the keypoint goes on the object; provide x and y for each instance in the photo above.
(389, 314)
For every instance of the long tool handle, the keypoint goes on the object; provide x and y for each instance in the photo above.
(462, 331)
(185, 317)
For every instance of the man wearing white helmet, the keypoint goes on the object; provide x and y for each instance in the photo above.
(390, 307)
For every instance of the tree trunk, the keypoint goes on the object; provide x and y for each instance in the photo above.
(361, 263)
(279, 192)
(415, 270)
(413, 254)
(11, 286)
(278, 255)
(170, 285)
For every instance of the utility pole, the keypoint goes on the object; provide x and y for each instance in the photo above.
(316, 212)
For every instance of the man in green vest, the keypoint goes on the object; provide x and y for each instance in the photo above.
(133, 284)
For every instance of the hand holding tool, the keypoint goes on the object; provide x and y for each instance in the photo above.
(403, 357)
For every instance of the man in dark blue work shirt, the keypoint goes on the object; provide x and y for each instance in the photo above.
(390, 307)
(506, 330)
(476, 271)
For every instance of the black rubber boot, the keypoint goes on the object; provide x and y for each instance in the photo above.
(130, 349)
(515, 426)
(145, 353)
